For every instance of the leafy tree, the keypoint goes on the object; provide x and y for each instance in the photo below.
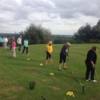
(37, 34)
(88, 33)
(84, 33)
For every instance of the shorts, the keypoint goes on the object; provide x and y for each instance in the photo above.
(62, 58)
(48, 55)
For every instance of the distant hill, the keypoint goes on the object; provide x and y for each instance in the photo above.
(62, 35)
(59, 39)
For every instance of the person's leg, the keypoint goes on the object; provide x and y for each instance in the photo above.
(14, 52)
(10, 47)
(4, 44)
(50, 58)
(60, 61)
(19, 47)
(47, 57)
(64, 62)
(23, 50)
(26, 50)
(88, 71)
(92, 72)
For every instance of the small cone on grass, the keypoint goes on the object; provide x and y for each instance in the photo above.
(70, 93)
(41, 64)
(52, 74)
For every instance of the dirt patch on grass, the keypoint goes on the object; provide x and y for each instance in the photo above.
(7, 88)
(96, 97)
(30, 70)
(12, 98)
(55, 88)
(44, 80)
(3, 82)
(13, 89)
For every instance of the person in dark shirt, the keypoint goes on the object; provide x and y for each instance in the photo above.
(90, 64)
(63, 54)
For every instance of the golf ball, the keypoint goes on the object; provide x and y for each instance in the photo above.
(41, 64)
(51, 74)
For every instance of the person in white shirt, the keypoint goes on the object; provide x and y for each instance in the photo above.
(19, 42)
(5, 39)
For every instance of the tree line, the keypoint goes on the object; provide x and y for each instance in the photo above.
(88, 33)
(40, 35)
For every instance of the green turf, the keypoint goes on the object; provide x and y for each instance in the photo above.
(16, 74)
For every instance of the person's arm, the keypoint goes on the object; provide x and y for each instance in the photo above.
(90, 57)
(95, 60)
(93, 64)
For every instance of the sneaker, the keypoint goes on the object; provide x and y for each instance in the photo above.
(94, 81)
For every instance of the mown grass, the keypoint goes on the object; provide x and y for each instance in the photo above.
(16, 74)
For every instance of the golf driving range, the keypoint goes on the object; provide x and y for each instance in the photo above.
(26, 77)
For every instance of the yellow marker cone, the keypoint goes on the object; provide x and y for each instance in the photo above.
(70, 93)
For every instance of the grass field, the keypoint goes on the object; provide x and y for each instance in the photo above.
(16, 74)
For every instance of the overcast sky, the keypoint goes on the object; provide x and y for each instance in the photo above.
(60, 16)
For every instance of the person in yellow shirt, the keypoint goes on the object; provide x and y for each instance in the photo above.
(49, 50)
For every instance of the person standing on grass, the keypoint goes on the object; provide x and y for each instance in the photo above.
(49, 50)
(5, 42)
(63, 53)
(25, 46)
(10, 43)
(19, 42)
(13, 45)
(90, 64)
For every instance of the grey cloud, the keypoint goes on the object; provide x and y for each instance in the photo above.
(64, 9)
(69, 8)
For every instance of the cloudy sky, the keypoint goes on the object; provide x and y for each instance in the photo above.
(60, 16)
